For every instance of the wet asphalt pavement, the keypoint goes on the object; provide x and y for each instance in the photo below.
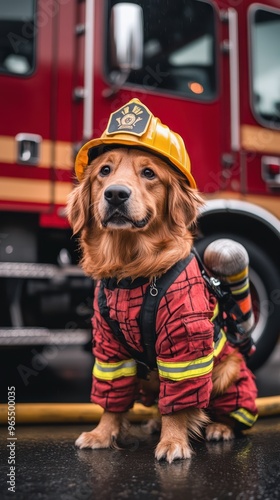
(48, 466)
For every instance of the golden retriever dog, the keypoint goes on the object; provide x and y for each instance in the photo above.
(134, 213)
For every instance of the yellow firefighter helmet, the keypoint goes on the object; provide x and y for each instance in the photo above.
(134, 125)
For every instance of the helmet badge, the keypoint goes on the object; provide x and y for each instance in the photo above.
(133, 118)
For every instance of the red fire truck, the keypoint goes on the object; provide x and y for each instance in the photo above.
(209, 69)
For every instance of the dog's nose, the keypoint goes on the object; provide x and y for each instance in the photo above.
(116, 194)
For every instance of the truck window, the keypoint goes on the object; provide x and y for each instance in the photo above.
(17, 36)
(179, 48)
(265, 60)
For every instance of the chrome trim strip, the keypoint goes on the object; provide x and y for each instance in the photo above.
(88, 71)
(43, 336)
(234, 80)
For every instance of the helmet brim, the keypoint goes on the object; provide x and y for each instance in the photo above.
(96, 147)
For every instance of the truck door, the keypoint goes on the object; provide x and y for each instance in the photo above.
(27, 47)
(176, 76)
(260, 120)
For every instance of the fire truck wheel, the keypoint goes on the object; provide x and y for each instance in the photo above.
(264, 285)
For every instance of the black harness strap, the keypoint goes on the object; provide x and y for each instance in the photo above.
(149, 308)
(115, 327)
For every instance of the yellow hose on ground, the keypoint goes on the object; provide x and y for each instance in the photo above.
(80, 413)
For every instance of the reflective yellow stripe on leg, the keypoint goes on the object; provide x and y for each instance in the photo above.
(244, 417)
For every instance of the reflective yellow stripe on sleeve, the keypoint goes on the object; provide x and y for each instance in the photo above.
(244, 416)
(215, 312)
(220, 342)
(186, 369)
(112, 371)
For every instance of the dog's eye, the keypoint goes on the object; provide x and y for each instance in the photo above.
(105, 170)
(148, 173)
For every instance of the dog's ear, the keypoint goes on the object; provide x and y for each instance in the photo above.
(183, 204)
(78, 206)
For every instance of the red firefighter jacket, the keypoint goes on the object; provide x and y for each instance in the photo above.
(185, 351)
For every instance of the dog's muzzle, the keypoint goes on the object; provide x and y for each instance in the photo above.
(117, 212)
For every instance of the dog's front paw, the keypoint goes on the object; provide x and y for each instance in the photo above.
(94, 440)
(172, 450)
(219, 432)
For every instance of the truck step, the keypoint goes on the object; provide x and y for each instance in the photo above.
(42, 336)
(33, 270)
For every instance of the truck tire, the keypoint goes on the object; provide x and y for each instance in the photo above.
(264, 284)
